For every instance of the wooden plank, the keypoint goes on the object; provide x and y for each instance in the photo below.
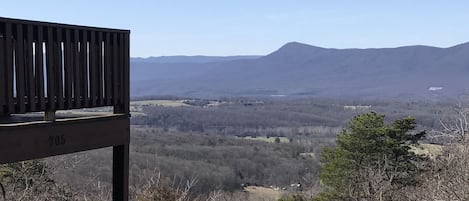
(115, 71)
(121, 70)
(121, 73)
(9, 67)
(108, 68)
(126, 76)
(39, 64)
(38, 140)
(58, 64)
(85, 68)
(68, 70)
(76, 69)
(51, 94)
(93, 69)
(19, 70)
(30, 78)
(59, 25)
(3, 95)
(120, 106)
(100, 70)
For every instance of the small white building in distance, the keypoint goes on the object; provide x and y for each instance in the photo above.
(435, 88)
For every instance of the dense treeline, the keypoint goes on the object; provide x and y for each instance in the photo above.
(222, 162)
(234, 115)
(296, 117)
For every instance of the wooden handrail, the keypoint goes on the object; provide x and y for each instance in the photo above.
(49, 66)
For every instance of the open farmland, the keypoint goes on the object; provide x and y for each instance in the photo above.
(267, 139)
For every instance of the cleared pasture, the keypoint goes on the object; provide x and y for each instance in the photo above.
(267, 139)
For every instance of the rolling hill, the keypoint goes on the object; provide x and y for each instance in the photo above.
(411, 72)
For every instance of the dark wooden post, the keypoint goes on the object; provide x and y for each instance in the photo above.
(49, 116)
(120, 164)
(120, 173)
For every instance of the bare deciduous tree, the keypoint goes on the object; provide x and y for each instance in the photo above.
(449, 177)
(455, 125)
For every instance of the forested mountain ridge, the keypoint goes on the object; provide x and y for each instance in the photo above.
(191, 59)
(411, 72)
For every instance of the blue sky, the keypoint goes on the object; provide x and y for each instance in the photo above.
(258, 27)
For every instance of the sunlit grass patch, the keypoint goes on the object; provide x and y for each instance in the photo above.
(267, 139)
(430, 150)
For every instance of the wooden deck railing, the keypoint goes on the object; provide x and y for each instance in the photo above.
(45, 67)
(49, 67)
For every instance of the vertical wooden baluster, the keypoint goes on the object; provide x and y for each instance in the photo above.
(78, 92)
(100, 69)
(115, 71)
(108, 68)
(84, 65)
(40, 68)
(58, 62)
(51, 93)
(120, 80)
(3, 95)
(19, 66)
(30, 78)
(126, 81)
(93, 69)
(9, 67)
(68, 68)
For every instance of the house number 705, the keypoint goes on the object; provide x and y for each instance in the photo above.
(56, 140)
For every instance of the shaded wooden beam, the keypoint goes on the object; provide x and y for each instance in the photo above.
(28, 141)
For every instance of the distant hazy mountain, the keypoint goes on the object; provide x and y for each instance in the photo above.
(190, 59)
(412, 72)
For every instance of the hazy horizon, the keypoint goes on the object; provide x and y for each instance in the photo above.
(216, 28)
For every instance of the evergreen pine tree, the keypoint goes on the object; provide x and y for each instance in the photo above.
(370, 143)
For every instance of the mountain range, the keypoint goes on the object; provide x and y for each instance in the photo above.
(296, 69)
